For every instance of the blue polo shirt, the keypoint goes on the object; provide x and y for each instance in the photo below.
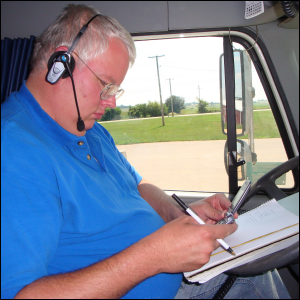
(66, 202)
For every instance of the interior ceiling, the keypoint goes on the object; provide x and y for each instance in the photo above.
(32, 17)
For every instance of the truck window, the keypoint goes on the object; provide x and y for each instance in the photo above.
(187, 153)
(187, 150)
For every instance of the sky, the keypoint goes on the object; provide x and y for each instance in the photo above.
(192, 64)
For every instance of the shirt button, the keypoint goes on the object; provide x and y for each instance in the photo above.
(80, 143)
(88, 157)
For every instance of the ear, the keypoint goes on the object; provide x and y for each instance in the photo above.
(62, 48)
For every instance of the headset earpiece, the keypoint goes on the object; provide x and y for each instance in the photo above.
(56, 58)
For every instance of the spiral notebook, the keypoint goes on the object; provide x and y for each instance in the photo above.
(263, 230)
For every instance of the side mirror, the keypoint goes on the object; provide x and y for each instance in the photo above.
(244, 152)
(244, 93)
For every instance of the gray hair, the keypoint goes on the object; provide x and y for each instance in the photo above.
(92, 43)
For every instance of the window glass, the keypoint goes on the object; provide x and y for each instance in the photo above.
(187, 153)
(260, 143)
(186, 150)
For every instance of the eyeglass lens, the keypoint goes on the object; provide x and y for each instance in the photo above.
(111, 90)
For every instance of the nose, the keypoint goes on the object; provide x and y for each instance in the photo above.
(110, 102)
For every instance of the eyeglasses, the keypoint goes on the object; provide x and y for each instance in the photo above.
(109, 89)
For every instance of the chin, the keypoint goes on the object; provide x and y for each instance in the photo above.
(89, 124)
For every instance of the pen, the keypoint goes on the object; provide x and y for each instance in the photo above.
(193, 214)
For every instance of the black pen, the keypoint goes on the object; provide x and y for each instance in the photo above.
(194, 215)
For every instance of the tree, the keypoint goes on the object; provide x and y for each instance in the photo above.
(143, 110)
(178, 104)
(202, 106)
(154, 109)
(137, 111)
(112, 114)
(133, 112)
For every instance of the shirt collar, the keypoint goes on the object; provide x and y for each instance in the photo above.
(43, 120)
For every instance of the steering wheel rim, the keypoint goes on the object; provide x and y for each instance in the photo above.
(267, 182)
(287, 256)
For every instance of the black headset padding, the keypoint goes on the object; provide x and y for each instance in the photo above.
(56, 55)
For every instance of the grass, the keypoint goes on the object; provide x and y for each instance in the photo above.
(124, 113)
(193, 109)
(176, 129)
(261, 105)
(189, 109)
(264, 125)
(190, 128)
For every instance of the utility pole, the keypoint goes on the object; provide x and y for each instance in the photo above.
(171, 95)
(199, 91)
(161, 105)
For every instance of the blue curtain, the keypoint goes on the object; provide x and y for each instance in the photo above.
(15, 56)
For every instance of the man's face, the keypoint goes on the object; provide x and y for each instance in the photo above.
(110, 67)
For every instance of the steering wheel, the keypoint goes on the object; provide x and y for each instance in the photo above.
(283, 257)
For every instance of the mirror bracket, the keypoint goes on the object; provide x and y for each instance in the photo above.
(231, 158)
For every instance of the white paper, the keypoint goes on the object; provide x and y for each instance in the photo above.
(259, 227)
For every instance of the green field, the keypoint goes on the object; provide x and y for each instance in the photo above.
(261, 105)
(190, 128)
(193, 109)
(124, 113)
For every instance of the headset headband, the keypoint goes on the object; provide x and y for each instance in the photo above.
(80, 33)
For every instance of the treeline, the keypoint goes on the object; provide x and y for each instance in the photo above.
(153, 109)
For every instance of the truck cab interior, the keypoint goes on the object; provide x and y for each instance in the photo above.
(258, 54)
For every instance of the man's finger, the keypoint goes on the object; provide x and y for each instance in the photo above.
(220, 231)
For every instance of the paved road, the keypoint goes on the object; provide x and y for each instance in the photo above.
(195, 165)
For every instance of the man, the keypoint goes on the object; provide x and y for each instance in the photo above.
(77, 220)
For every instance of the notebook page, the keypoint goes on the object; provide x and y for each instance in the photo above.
(270, 217)
(260, 226)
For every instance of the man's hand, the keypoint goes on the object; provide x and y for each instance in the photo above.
(213, 208)
(184, 245)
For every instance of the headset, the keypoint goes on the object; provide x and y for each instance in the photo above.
(61, 64)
